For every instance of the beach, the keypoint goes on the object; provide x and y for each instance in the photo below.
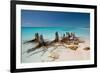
(61, 53)
(72, 55)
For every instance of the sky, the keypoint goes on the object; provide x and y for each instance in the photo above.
(36, 18)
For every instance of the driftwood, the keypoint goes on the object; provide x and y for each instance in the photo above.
(35, 40)
(68, 39)
(41, 44)
(86, 48)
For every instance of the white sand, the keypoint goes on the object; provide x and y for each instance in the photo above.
(66, 54)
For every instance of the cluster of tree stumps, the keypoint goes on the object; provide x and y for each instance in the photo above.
(68, 40)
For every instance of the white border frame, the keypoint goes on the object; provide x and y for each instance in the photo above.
(51, 64)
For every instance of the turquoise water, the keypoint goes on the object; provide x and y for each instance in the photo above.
(49, 34)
